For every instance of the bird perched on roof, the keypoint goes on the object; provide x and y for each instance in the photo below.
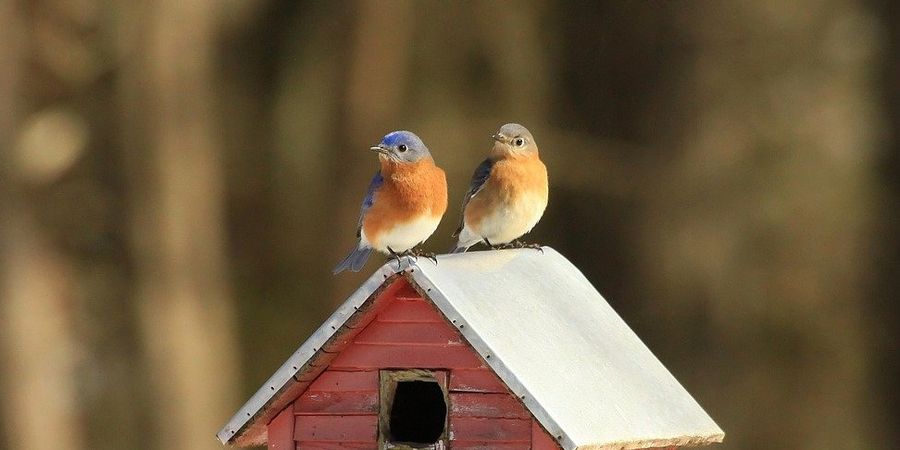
(507, 195)
(404, 203)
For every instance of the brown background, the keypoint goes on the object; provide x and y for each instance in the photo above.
(178, 178)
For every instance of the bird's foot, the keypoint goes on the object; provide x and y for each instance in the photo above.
(519, 244)
(417, 252)
(396, 256)
(495, 246)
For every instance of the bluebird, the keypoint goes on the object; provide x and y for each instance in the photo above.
(404, 203)
(507, 195)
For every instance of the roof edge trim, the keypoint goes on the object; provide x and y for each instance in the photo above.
(262, 402)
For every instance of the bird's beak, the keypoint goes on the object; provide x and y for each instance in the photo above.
(379, 149)
(498, 137)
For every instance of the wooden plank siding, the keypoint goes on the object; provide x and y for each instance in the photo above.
(476, 380)
(494, 406)
(336, 428)
(541, 439)
(339, 409)
(281, 431)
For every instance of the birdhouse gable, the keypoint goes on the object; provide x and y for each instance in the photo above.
(501, 349)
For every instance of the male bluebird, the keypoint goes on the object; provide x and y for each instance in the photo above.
(508, 192)
(404, 204)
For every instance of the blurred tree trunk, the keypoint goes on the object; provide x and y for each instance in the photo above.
(38, 349)
(756, 237)
(889, 253)
(377, 85)
(173, 161)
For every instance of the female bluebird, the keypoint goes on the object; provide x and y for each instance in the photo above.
(508, 192)
(404, 204)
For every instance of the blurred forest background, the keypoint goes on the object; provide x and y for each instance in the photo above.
(179, 177)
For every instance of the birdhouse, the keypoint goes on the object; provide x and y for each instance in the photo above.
(510, 349)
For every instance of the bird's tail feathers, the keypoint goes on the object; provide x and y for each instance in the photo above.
(462, 245)
(354, 261)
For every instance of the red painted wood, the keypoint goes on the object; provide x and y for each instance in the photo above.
(478, 429)
(410, 311)
(337, 403)
(476, 380)
(339, 410)
(361, 319)
(334, 380)
(323, 359)
(440, 376)
(490, 445)
(369, 310)
(375, 356)
(487, 405)
(308, 375)
(405, 291)
(411, 332)
(307, 445)
(541, 439)
(336, 428)
(341, 339)
(295, 389)
(281, 431)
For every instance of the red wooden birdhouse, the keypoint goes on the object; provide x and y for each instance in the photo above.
(509, 349)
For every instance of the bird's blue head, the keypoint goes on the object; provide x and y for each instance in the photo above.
(402, 146)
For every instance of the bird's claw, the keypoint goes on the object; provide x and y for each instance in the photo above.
(494, 246)
(417, 252)
(431, 256)
(396, 256)
(519, 244)
(412, 253)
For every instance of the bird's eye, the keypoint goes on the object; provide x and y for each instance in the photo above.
(401, 147)
(519, 142)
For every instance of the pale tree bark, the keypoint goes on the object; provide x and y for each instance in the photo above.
(756, 235)
(38, 349)
(186, 313)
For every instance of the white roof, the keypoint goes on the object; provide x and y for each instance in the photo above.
(549, 335)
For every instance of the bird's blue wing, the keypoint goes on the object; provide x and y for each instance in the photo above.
(481, 175)
(369, 200)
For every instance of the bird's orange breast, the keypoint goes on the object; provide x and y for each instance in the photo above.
(512, 178)
(410, 191)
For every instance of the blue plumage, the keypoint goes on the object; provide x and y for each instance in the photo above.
(407, 138)
(354, 261)
(369, 200)
(396, 149)
(358, 257)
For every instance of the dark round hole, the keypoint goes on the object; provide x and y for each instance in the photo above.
(418, 413)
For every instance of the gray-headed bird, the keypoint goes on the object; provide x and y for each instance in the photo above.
(507, 195)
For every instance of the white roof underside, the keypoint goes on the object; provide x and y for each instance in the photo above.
(550, 336)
